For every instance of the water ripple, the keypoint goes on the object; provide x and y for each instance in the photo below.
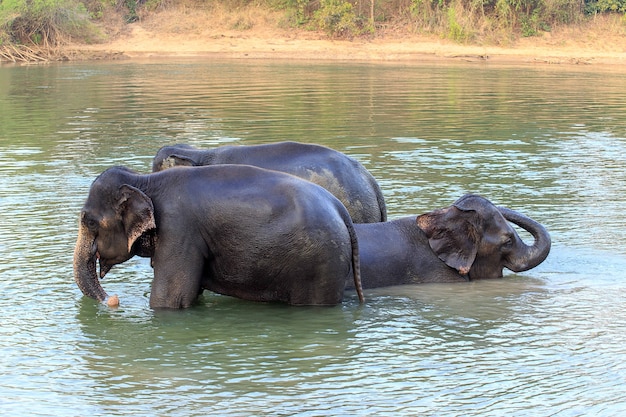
(549, 341)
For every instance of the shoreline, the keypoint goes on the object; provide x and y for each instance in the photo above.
(361, 51)
(149, 39)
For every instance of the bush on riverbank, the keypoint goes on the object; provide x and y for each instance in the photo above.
(46, 24)
(32, 30)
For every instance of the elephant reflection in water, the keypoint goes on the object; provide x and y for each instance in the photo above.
(165, 351)
(471, 239)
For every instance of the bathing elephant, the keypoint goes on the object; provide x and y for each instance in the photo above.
(237, 230)
(343, 176)
(471, 239)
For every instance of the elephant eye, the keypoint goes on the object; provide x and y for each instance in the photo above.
(508, 244)
(90, 222)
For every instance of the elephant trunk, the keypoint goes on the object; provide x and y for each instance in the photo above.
(530, 256)
(85, 255)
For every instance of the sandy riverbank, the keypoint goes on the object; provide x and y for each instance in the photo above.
(601, 42)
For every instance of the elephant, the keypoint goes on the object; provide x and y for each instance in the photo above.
(343, 176)
(236, 230)
(469, 240)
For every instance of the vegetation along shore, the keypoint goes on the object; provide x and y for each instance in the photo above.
(509, 31)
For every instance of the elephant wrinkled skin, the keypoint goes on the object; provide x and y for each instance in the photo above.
(344, 177)
(237, 230)
(471, 239)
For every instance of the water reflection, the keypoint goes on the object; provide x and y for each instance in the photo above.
(248, 349)
(547, 142)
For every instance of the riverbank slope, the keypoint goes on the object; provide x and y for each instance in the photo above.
(187, 33)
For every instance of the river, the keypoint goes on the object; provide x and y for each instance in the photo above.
(549, 141)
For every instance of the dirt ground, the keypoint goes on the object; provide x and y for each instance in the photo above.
(192, 33)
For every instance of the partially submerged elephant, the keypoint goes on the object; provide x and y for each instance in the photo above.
(344, 177)
(237, 230)
(471, 239)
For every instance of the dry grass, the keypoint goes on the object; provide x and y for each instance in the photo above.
(202, 18)
(210, 19)
(603, 33)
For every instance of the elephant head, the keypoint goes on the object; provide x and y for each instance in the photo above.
(178, 155)
(115, 224)
(474, 237)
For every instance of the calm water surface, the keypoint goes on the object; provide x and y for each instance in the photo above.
(548, 141)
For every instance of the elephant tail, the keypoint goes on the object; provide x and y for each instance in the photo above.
(356, 261)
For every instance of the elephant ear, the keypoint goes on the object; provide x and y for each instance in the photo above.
(452, 235)
(137, 212)
(177, 161)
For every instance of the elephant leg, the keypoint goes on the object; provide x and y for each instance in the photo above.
(177, 282)
(320, 288)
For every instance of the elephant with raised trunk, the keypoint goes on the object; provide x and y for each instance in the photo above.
(237, 230)
(471, 239)
(344, 177)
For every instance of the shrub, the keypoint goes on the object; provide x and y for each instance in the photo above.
(337, 18)
(44, 22)
(456, 32)
(427, 13)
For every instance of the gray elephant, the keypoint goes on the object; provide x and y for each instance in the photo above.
(471, 239)
(237, 230)
(344, 177)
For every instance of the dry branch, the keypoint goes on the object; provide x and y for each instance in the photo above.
(24, 53)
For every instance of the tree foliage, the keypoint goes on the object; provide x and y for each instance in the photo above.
(601, 6)
(460, 20)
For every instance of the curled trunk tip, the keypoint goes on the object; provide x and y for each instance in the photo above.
(532, 255)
